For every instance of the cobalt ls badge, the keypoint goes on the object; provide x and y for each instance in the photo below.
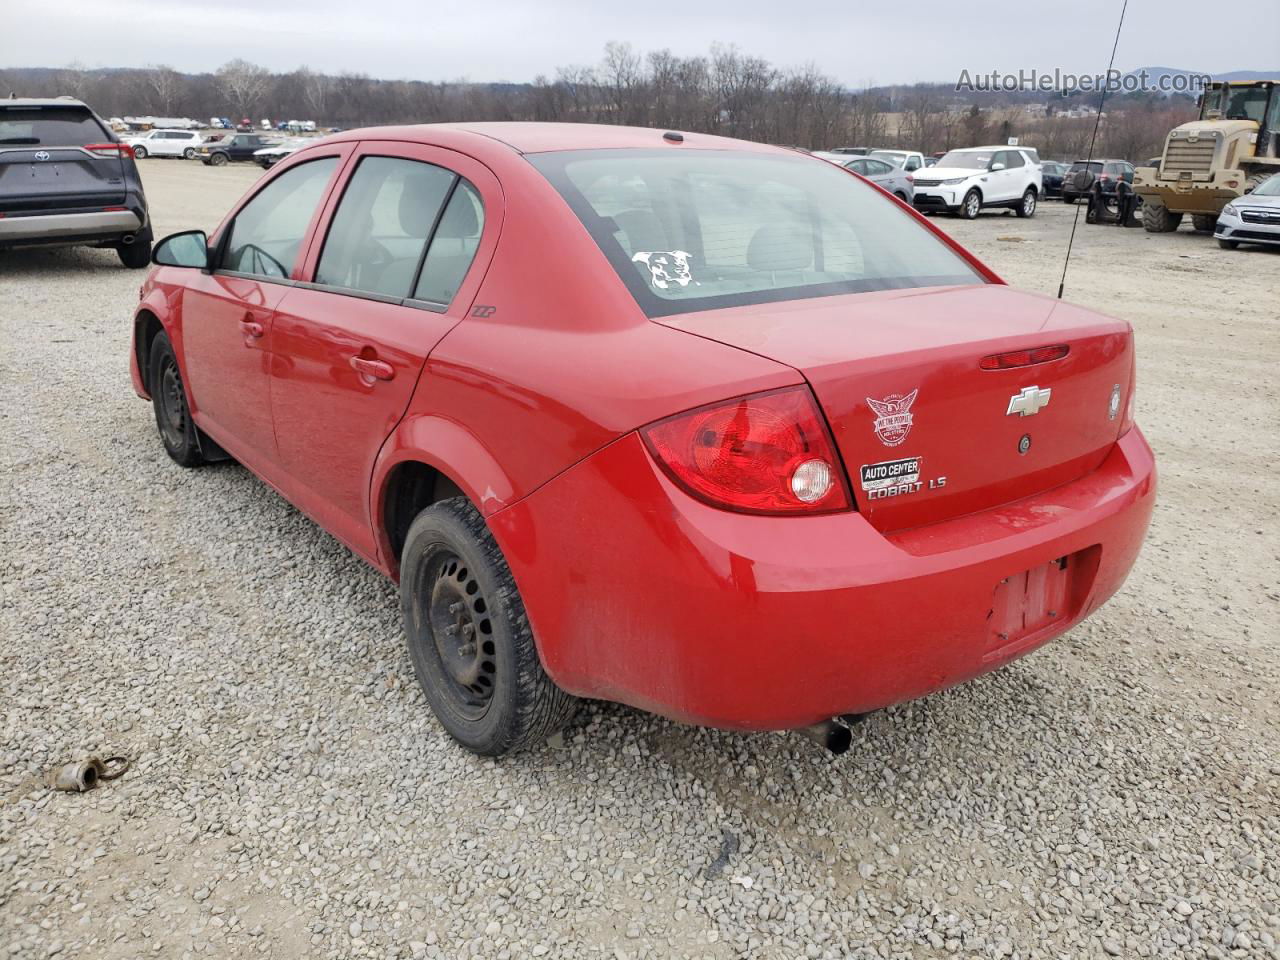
(893, 417)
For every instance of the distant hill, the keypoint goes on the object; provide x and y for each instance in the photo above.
(1235, 76)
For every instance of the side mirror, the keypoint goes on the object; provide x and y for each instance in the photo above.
(997, 166)
(1249, 189)
(187, 249)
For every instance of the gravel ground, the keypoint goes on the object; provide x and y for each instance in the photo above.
(291, 795)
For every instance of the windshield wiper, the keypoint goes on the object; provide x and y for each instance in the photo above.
(20, 140)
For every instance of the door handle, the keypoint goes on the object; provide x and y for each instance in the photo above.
(252, 328)
(373, 369)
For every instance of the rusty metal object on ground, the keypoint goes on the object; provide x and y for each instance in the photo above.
(81, 775)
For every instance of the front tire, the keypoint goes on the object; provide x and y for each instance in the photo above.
(139, 153)
(169, 400)
(1229, 244)
(218, 159)
(970, 206)
(469, 636)
(189, 153)
(1027, 208)
(1156, 218)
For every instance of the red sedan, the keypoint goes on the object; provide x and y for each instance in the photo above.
(711, 428)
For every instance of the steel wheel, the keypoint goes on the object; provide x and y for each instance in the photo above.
(177, 431)
(172, 405)
(463, 633)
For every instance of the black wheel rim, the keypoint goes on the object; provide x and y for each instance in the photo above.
(173, 406)
(458, 616)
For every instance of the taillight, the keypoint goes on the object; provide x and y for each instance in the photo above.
(763, 453)
(109, 149)
(1024, 358)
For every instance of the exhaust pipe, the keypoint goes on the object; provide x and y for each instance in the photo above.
(834, 736)
(128, 238)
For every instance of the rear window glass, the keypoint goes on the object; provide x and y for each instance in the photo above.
(1095, 167)
(50, 127)
(703, 229)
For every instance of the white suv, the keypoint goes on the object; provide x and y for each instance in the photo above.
(165, 143)
(966, 181)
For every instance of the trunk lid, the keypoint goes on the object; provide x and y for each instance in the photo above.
(926, 434)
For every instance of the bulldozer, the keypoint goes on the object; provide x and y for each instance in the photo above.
(1207, 163)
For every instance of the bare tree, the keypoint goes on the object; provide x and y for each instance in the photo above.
(315, 90)
(244, 84)
(164, 86)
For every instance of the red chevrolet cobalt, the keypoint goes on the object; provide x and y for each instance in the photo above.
(711, 428)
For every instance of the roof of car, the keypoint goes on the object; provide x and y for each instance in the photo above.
(43, 102)
(545, 137)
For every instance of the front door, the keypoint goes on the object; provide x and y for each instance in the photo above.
(391, 275)
(227, 314)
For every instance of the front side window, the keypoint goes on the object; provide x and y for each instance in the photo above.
(702, 229)
(267, 233)
(382, 225)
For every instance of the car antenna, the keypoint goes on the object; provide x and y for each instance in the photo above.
(1092, 140)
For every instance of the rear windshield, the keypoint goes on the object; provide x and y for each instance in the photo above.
(1094, 167)
(50, 126)
(703, 229)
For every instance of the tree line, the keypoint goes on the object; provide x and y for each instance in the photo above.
(725, 92)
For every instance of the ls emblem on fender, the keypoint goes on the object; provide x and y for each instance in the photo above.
(1029, 402)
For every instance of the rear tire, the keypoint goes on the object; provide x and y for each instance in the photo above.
(1156, 218)
(169, 400)
(469, 636)
(139, 153)
(1204, 222)
(189, 153)
(137, 254)
(970, 206)
(1027, 207)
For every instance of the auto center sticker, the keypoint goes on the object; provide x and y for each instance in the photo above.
(893, 417)
(895, 478)
(666, 267)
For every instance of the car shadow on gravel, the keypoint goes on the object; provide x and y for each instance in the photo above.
(39, 262)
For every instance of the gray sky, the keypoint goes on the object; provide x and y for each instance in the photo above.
(860, 42)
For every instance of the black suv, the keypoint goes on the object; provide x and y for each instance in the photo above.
(66, 180)
(1077, 183)
(235, 146)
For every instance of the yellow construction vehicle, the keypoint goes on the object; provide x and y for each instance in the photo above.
(1207, 163)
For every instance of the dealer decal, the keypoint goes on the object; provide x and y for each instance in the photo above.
(893, 417)
(895, 478)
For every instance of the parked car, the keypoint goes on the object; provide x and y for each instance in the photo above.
(1078, 182)
(1253, 218)
(851, 151)
(67, 180)
(589, 395)
(908, 160)
(893, 179)
(967, 181)
(268, 157)
(165, 143)
(930, 161)
(232, 148)
(1052, 172)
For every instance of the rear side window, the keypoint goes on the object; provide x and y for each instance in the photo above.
(382, 225)
(268, 231)
(50, 127)
(702, 229)
(453, 247)
(1013, 158)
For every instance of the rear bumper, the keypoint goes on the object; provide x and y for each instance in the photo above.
(639, 594)
(49, 227)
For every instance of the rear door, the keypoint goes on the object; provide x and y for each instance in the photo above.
(394, 265)
(57, 158)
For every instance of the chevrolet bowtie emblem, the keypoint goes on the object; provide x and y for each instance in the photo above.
(1029, 402)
